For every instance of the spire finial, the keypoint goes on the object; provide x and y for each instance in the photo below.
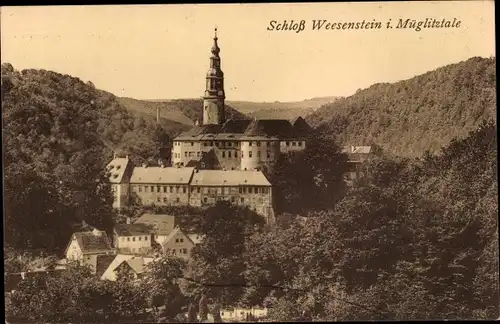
(215, 32)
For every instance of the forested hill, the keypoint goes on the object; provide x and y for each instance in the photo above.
(183, 111)
(410, 117)
(58, 134)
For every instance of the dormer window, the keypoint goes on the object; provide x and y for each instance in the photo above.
(118, 167)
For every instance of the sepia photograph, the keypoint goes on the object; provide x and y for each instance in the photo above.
(267, 162)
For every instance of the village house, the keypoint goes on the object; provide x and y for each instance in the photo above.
(356, 156)
(135, 266)
(85, 247)
(178, 244)
(160, 225)
(132, 238)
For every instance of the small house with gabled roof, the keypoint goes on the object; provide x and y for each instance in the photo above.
(87, 246)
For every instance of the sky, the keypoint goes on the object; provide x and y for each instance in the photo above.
(162, 51)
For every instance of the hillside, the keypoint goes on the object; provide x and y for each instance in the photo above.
(182, 111)
(423, 113)
(280, 110)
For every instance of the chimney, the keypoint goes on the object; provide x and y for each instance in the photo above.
(128, 220)
(158, 115)
(114, 155)
(126, 156)
(144, 165)
(197, 122)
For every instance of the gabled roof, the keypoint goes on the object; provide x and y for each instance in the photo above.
(195, 238)
(120, 258)
(102, 263)
(172, 234)
(168, 175)
(91, 242)
(357, 149)
(280, 128)
(229, 178)
(160, 224)
(135, 229)
(117, 168)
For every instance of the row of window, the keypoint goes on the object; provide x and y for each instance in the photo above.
(165, 189)
(206, 190)
(230, 154)
(237, 144)
(133, 238)
(181, 251)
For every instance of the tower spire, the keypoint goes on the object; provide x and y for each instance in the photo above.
(213, 101)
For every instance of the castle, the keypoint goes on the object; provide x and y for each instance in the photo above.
(243, 144)
(217, 159)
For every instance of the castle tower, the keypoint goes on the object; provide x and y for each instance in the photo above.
(213, 101)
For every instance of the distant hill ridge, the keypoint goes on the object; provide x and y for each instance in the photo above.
(411, 116)
(261, 110)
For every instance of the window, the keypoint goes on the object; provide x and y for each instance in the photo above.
(185, 251)
(158, 199)
(250, 144)
(287, 143)
(205, 200)
(134, 188)
(164, 188)
(176, 240)
(198, 154)
(223, 154)
(235, 154)
(223, 190)
(258, 154)
(300, 143)
(164, 199)
(158, 188)
(140, 238)
(258, 143)
(181, 240)
(178, 199)
(242, 154)
(249, 153)
(265, 190)
(242, 200)
(294, 144)
(177, 189)
(171, 189)
(198, 189)
(145, 238)
(241, 190)
(185, 154)
(244, 190)
(133, 238)
(229, 154)
(233, 199)
(146, 188)
(205, 143)
(192, 143)
(152, 189)
(128, 239)
(249, 190)
(184, 189)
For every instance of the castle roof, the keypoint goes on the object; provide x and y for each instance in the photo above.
(229, 178)
(247, 129)
(92, 242)
(167, 175)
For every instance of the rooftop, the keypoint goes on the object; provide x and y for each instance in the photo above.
(161, 224)
(116, 168)
(229, 178)
(248, 129)
(135, 229)
(168, 175)
(93, 241)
